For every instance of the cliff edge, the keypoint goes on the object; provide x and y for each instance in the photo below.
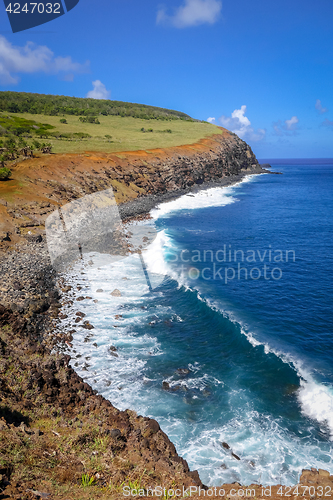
(39, 185)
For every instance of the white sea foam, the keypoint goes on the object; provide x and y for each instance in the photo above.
(213, 197)
(257, 439)
(315, 399)
(268, 455)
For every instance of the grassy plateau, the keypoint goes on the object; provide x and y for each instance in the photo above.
(125, 133)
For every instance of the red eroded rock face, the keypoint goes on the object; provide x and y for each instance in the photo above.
(39, 185)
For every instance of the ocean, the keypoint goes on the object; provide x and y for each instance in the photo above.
(225, 334)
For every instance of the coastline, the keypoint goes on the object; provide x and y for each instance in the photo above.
(143, 205)
(31, 304)
(31, 310)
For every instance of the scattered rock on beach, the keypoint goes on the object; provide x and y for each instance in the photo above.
(87, 326)
(116, 293)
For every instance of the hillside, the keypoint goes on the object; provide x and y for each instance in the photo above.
(55, 105)
(63, 124)
(110, 134)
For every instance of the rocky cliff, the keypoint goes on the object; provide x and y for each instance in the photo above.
(40, 184)
(58, 438)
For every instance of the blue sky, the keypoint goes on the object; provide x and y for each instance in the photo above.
(260, 68)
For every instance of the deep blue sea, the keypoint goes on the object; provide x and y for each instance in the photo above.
(234, 342)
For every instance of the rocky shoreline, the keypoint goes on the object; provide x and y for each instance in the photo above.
(39, 388)
(53, 417)
(59, 439)
(143, 205)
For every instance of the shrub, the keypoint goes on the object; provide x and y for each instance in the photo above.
(86, 480)
(63, 120)
(89, 119)
(42, 133)
(81, 135)
(5, 173)
(10, 144)
(22, 143)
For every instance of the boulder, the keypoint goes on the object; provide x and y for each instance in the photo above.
(4, 236)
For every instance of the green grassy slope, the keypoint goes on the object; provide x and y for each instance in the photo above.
(74, 125)
(126, 134)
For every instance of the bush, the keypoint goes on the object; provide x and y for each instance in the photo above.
(63, 120)
(22, 143)
(43, 134)
(89, 119)
(81, 135)
(5, 173)
(10, 144)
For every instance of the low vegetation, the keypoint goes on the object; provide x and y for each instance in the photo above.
(12, 148)
(19, 126)
(111, 134)
(75, 125)
(5, 173)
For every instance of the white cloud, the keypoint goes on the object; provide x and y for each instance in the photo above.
(99, 91)
(33, 58)
(211, 119)
(288, 127)
(292, 123)
(319, 107)
(241, 125)
(192, 13)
